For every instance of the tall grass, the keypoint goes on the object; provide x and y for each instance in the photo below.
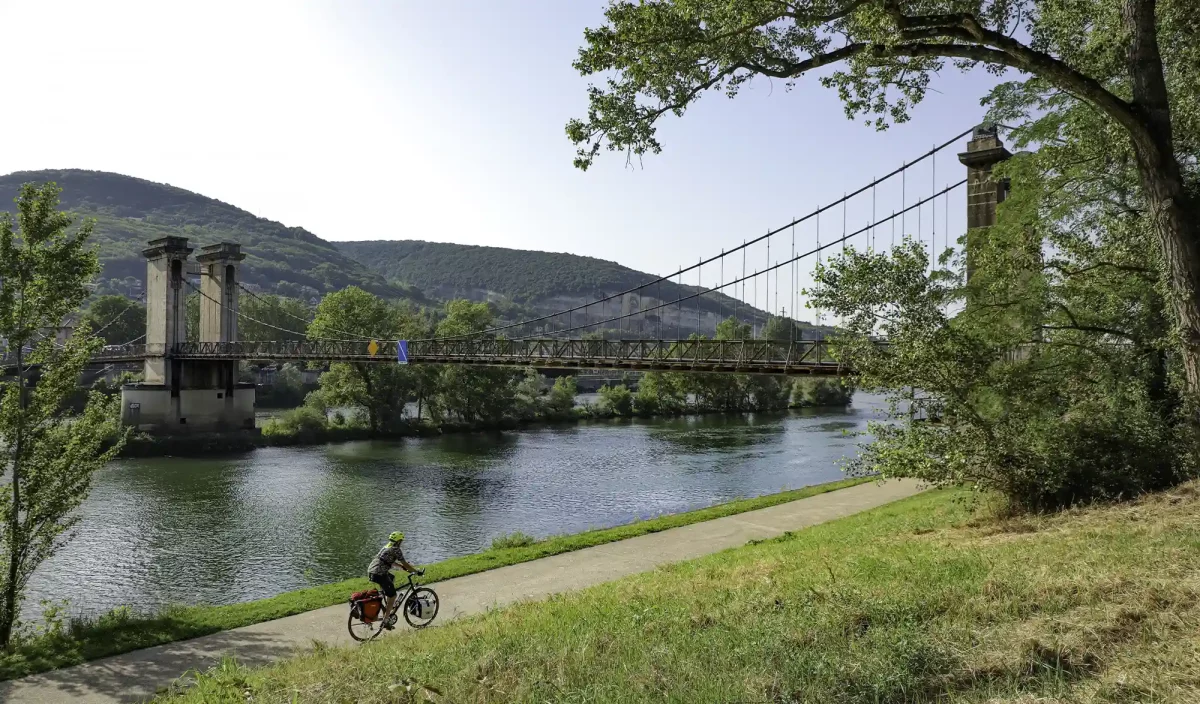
(920, 601)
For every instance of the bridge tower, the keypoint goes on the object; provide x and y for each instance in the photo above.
(166, 319)
(180, 396)
(984, 193)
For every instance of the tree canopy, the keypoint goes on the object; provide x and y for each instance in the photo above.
(380, 389)
(1132, 63)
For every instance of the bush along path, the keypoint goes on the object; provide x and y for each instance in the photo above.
(139, 674)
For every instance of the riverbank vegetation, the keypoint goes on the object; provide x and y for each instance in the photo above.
(62, 641)
(929, 599)
(454, 398)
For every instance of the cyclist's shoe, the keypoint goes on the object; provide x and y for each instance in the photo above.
(390, 624)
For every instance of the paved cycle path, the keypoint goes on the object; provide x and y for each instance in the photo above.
(137, 675)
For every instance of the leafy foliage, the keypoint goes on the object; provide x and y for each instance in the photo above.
(994, 397)
(617, 400)
(49, 454)
(304, 420)
(382, 389)
(473, 394)
(117, 319)
(560, 402)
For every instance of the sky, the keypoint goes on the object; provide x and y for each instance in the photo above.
(442, 121)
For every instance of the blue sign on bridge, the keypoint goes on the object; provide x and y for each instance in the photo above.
(402, 351)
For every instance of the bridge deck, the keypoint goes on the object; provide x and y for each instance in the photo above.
(725, 356)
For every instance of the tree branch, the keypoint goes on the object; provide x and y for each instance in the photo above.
(1098, 265)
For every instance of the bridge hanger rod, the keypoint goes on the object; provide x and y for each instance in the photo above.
(760, 238)
(798, 257)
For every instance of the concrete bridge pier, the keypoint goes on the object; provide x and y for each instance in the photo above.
(189, 396)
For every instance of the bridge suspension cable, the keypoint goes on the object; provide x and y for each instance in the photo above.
(240, 314)
(902, 171)
(743, 278)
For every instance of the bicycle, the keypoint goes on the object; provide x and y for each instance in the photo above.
(419, 605)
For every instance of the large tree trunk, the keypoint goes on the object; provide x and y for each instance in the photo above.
(8, 617)
(1175, 223)
(1171, 206)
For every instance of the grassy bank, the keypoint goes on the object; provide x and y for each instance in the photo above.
(916, 601)
(121, 632)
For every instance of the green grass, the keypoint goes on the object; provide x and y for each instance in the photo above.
(922, 600)
(122, 631)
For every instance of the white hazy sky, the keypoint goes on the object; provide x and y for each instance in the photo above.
(435, 120)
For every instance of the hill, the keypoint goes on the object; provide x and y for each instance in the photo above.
(543, 282)
(130, 211)
(470, 271)
(294, 262)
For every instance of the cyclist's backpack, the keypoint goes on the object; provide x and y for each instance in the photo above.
(365, 605)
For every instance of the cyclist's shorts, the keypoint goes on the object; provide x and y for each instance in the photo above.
(386, 582)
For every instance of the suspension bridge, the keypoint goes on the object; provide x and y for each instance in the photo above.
(194, 384)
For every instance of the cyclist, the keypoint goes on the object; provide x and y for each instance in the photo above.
(380, 573)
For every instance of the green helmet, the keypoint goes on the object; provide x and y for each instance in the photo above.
(395, 537)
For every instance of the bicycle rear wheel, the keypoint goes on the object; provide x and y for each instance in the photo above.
(421, 607)
(361, 630)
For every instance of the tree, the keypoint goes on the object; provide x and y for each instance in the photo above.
(722, 392)
(772, 393)
(1072, 414)
(379, 388)
(1131, 62)
(778, 328)
(661, 393)
(117, 319)
(560, 402)
(49, 455)
(617, 400)
(474, 394)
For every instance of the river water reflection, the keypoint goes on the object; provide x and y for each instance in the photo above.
(223, 530)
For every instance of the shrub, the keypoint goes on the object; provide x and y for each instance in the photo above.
(617, 400)
(513, 540)
(560, 402)
(302, 421)
(821, 392)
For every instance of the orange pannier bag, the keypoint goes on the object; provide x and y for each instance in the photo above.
(367, 603)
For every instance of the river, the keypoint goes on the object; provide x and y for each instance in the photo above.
(230, 529)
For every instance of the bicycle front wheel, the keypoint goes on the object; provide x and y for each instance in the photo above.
(421, 607)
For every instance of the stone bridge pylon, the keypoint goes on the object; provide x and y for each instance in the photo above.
(181, 396)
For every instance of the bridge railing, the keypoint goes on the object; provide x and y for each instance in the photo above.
(108, 353)
(768, 356)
